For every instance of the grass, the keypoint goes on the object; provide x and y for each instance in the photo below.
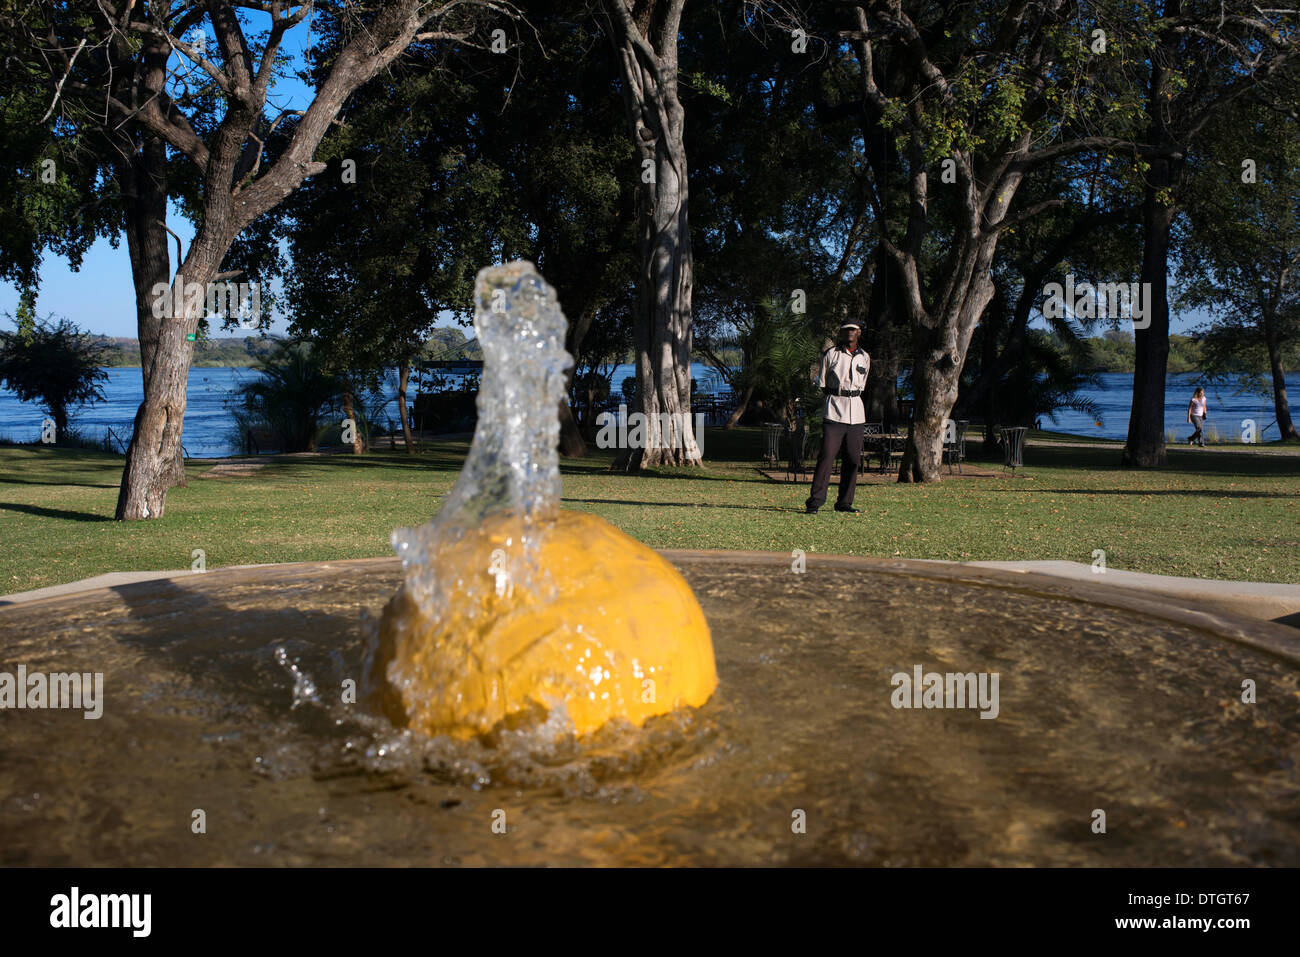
(1217, 514)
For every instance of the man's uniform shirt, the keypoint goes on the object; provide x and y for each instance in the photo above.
(843, 377)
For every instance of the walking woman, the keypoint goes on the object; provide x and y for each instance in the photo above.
(1196, 415)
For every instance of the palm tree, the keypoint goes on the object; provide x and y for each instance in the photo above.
(785, 353)
(292, 393)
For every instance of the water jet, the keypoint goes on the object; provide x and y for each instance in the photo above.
(511, 607)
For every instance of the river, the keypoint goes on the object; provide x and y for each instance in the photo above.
(208, 424)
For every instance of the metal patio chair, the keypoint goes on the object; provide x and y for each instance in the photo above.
(872, 438)
(955, 451)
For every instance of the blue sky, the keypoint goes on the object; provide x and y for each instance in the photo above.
(100, 297)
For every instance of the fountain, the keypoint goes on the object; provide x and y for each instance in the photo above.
(296, 715)
(511, 608)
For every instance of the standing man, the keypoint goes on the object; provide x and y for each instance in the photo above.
(843, 377)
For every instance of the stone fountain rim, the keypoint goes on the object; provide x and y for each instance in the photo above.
(1271, 638)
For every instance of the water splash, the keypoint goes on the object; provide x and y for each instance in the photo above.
(513, 611)
(304, 689)
(513, 464)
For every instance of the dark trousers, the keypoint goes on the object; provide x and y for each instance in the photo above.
(841, 439)
(1198, 437)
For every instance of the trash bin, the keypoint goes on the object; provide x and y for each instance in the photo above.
(772, 443)
(1013, 447)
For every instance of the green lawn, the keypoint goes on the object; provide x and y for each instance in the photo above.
(1214, 513)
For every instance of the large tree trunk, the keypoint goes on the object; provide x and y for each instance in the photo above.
(647, 51)
(403, 379)
(349, 412)
(233, 193)
(154, 459)
(152, 455)
(1285, 426)
(572, 444)
(880, 339)
(940, 343)
(741, 407)
(1145, 446)
(994, 364)
(143, 180)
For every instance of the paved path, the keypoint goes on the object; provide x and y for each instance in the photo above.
(1267, 600)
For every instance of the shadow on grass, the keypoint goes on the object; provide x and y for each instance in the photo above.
(55, 513)
(18, 481)
(694, 476)
(434, 463)
(1144, 492)
(392, 460)
(1181, 461)
(623, 501)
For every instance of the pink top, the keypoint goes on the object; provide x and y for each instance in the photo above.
(1198, 406)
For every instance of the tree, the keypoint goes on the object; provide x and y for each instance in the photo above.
(645, 34)
(45, 179)
(508, 156)
(213, 112)
(782, 242)
(981, 96)
(784, 365)
(1242, 251)
(54, 364)
(1010, 376)
(1206, 58)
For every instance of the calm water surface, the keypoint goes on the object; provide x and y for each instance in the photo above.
(207, 424)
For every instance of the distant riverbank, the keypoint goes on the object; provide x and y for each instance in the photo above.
(1112, 353)
(243, 352)
(209, 428)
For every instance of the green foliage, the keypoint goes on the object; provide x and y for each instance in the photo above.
(290, 396)
(45, 179)
(1048, 382)
(1241, 246)
(505, 157)
(776, 198)
(51, 363)
(781, 359)
(1114, 352)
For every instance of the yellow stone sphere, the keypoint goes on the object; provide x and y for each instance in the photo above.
(622, 636)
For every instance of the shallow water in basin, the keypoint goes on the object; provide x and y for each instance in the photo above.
(223, 692)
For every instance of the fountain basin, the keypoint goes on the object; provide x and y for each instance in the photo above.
(224, 693)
